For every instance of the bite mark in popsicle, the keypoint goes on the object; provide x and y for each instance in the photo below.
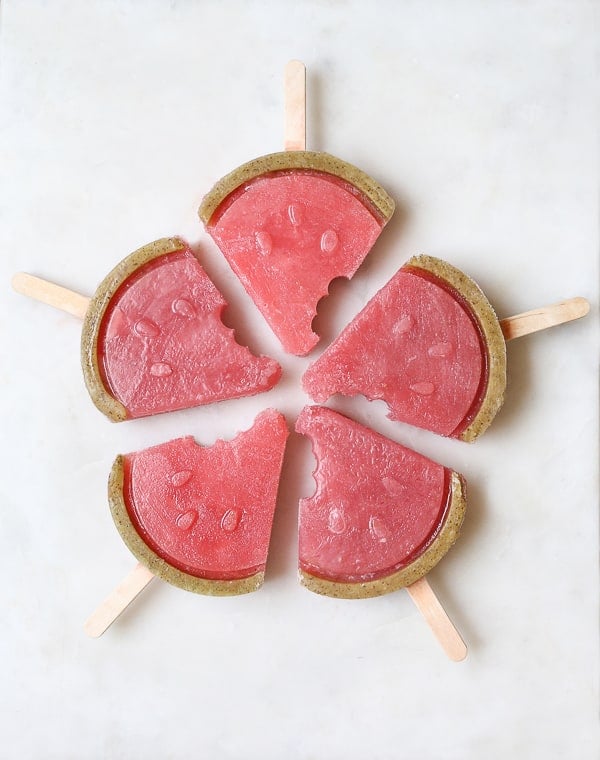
(288, 224)
(153, 340)
(200, 517)
(381, 516)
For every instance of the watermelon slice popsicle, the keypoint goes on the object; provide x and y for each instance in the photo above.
(198, 517)
(431, 346)
(381, 517)
(289, 223)
(153, 340)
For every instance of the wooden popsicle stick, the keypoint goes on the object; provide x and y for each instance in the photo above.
(295, 106)
(540, 319)
(51, 294)
(436, 617)
(117, 601)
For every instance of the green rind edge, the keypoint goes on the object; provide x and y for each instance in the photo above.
(492, 332)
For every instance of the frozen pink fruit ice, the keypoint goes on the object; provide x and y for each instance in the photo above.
(153, 340)
(381, 516)
(429, 344)
(288, 224)
(200, 517)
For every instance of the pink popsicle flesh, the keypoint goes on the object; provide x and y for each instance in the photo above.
(416, 346)
(209, 510)
(377, 505)
(287, 235)
(162, 344)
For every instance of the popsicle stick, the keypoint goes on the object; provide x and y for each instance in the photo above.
(436, 617)
(117, 601)
(51, 294)
(295, 106)
(540, 319)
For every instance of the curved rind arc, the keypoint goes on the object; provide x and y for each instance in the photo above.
(157, 565)
(482, 310)
(99, 394)
(405, 576)
(300, 159)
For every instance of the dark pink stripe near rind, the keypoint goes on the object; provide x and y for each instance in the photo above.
(459, 298)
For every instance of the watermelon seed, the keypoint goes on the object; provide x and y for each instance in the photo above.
(146, 328)
(403, 325)
(183, 307)
(180, 478)
(378, 529)
(161, 369)
(231, 519)
(393, 486)
(329, 241)
(186, 519)
(337, 521)
(264, 243)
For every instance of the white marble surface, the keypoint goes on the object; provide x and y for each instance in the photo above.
(482, 120)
